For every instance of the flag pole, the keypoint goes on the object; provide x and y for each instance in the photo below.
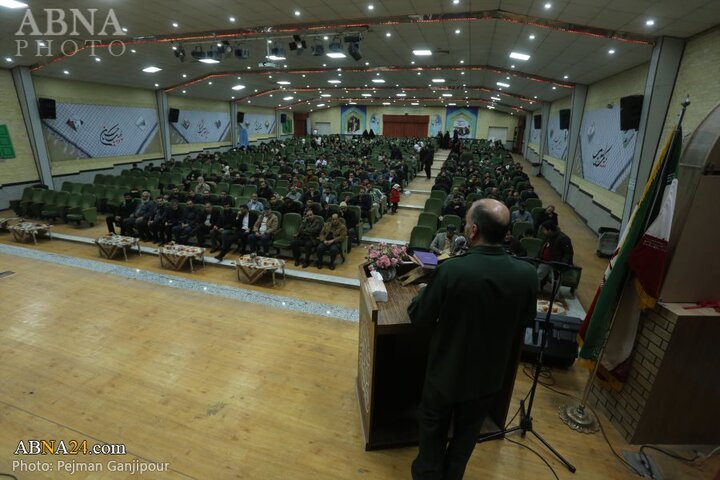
(576, 416)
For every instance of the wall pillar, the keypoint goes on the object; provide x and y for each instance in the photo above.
(163, 111)
(664, 65)
(234, 124)
(28, 104)
(526, 134)
(577, 110)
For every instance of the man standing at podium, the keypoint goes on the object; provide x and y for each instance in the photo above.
(476, 308)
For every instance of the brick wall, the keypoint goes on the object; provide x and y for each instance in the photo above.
(624, 408)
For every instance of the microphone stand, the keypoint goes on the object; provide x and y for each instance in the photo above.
(526, 420)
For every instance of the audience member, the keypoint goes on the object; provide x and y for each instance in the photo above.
(263, 232)
(306, 236)
(331, 238)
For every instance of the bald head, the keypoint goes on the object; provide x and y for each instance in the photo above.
(486, 222)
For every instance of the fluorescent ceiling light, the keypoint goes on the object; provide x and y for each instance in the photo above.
(98, 59)
(12, 4)
(650, 22)
(401, 94)
(414, 103)
(297, 13)
(334, 81)
(209, 60)
(452, 104)
(501, 84)
(367, 94)
(490, 107)
(151, 69)
(422, 52)
(371, 7)
(326, 95)
(156, 85)
(321, 105)
(8, 59)
(611, 51)
(175, 24)
(497, 99)
(335, 55)
(66, 72)
(548, 6)
(283, 82)
(378, 80)
(238, 87)
(386, 103)
(232, 19)
(274, 58)
(447, 94)
(438, 80)
(288, 98)
(532, 37)
(520, 56)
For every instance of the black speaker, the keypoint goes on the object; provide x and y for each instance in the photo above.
(630, 111)
(562, 345)
(174, 115)
(537, 119)
(240, 117)
(283, 118)
(46, 108)
(565, 119)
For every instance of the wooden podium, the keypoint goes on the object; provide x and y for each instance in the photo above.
(392, 355)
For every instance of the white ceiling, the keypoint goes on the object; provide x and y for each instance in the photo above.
(555, 52)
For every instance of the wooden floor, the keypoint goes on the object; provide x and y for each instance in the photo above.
(222, 389)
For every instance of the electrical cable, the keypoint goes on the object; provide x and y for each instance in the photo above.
(537, 454)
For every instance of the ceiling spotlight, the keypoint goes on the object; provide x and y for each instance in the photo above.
(455, 2)
(184, 75)
(151, 69)
(232, 19)
(124, 29)
(371, 7)
(388, 34)
(520, 56)
(184, 91)
(502, 84)
(354, 51)
(318, 49)
(438, 80)
(532, 37)
(98, 59)
(554, 88)
(565, 77)
(64, 71)
(179, 52)
(157, 85)
(336, 49)
(238, 87)
(422, 52)
(8, 59)
(512, 66)
(320, 105)
(133, 51)
(548, 6)
(611, 51)
(650, 22)
(419, 73)
(457, 31)
(242, 53)
(297, 13)
(175, 24)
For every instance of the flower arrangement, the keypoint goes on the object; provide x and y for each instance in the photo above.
(385, 257)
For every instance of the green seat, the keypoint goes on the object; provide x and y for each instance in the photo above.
(532, 203)
(56, 209)
(222, 187)
(522, 229)
(76, 188)
(100, 179)
(421, 238)
(285, 183)
(249, 190)
(439, 194)
(152, 183)
(87, 188)
(458, 181)
(429, 220)
(532, 245)
(288, 229)
(17, 205)
(359, 230)
(46, 198)
(86, 211)
(536, 213)
(236, 190)
(433, 205)
(571, 278)
(452, 220)
(67, 187)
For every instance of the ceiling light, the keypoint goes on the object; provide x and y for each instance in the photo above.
(491, 107)
(156, 85)
(98, 59)
(133, 51)
(175, 24)
(412, 63)
(288, 98)
(352, 103)
(321, 105)
(611, 51)
(208, 60)
(371, 7)
(419, 73)
(151, 69)
(283, 82)
(512, 66)
(457, 31)
(325, 95)
(366, 94)
(209, 83)
(554, 88)
(232, 19)
(451, 104)
(501, 84)
(462, 61)
(184, 91)
(335, 49)
(238, 87)
(447, 94)
(378, 80)
(124, 29)
(497, 99)
(8, 59)
(12, 4)
(386, 103)
(336, 55)
(422, 52)
(532, 37)
(438, 80)
(565, 77)
(535, 96)
(455, 2)
(520, 56)
(548, 6)
(184, 75)
(64, 71)
(650, 22)
(297, 13)
(388, 34)
(334, 81)
(401, 94)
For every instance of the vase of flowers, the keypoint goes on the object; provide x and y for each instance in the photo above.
(384, 259)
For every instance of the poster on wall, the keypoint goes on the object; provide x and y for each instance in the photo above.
(287, 127)
(435, 125)
(257, 125)
(462, 120)
(375, 124)
(352, 119)
(606, 150)
(96, 131)
(557, 139)
(195, 126)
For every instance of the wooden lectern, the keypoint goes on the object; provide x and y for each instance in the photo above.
(392, 355)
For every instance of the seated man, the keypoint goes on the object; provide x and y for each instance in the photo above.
(310, 228)
(188, 223)
(455, 207)
(351, 222)
(444, 242)
(156, 224)
(294, 194)
(202, 186)
(521, 214)
(548, 215)
(529, 193)
(311, 194)
(557, 248)
(362, 200)
(173, 217)
(140, 216)
(120, 214)
(331, 238)
(209, 221)
(263, 232)
(513, 246)
(254, 204)
(264, 190)
(238, 231)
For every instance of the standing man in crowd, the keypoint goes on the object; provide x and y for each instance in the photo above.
(476, 309)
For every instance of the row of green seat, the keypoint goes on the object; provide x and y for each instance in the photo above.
(52, 204)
